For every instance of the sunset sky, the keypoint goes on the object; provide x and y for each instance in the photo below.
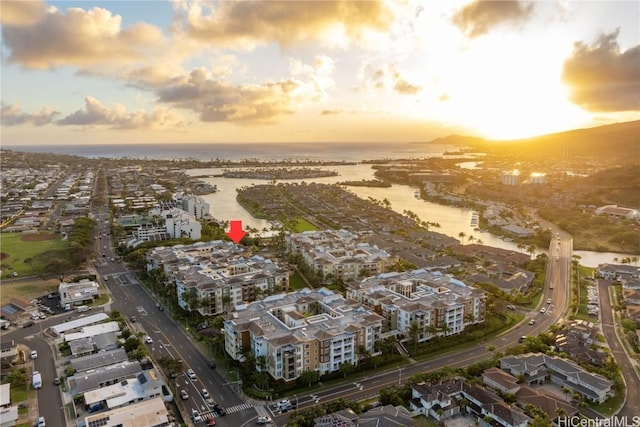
(82, 72)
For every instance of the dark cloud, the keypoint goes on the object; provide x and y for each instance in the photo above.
(478, 17)
(286, 22)
(12, 116)
(217, 101)
(96, 114)
(601, 77)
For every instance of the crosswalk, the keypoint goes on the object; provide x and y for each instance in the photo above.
(238, 408)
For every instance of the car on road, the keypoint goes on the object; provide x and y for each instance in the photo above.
(133, 319)
(263, 420)
(28, 323)
(183, 394)
(212, 363)
(148, 340)
(522, 338)
(532, 321)
(195, 416)
(42, 422)
(191, 374)
(543, 310)
(210, 420)
(550, 285)
(548, 300)
(34, 354)
(219, 410)
(56, 381)
(205, 393)
(210, 402)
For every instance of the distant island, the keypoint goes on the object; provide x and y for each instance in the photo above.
(366, 183)
(279, 173)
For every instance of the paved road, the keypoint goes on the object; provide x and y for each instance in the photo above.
(169, 339)
(632, 404)
(49, 398)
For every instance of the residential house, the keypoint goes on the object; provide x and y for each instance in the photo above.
(537, 368)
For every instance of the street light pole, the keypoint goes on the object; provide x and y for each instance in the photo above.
(399, 376)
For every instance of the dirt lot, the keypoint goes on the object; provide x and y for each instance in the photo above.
(26, 289)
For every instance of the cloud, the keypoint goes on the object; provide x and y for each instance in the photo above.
(478, 17)
(331, 112)
(387, 77)
(601, 77)
(20, 12)
(251, 23)
(11, 116)
(96, 114)
(79, 38)
(217, 101)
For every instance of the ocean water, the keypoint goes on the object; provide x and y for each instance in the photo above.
(319, 151)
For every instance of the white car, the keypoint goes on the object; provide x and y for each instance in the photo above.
(195, 416)
(204, 393)
(263, 420)
(191, 374)
(548, 300)
(148, 340)
(41, 422)
(183, 394)
(543, 310)
(34, 354)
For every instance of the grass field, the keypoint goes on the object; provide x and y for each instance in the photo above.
(15, 250)
(304, 225)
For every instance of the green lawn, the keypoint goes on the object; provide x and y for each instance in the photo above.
(19, 250)
(296, 282)
(304, 225)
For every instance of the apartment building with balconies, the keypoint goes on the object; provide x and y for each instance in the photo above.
(338, 255)
(305, 330)
(440, 305)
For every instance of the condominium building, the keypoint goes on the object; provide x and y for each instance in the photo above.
(194, 205)
(338, 255)
(511, 177)
(440, 305)
(214, 287)
(307, 330)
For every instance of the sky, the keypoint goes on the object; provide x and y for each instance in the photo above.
(122, 72)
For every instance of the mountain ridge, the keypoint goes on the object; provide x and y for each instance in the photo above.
(618, 141)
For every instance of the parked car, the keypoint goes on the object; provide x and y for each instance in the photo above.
(56, 381)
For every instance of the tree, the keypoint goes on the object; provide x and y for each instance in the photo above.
(414, 334)
(347, 368)
(309, 377)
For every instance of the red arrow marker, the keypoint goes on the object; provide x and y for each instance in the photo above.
(236, 233)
